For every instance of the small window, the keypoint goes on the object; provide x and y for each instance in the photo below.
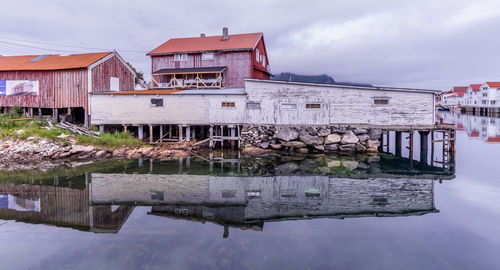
(207, 56)
(253, 105)
(157, 195)
(180, 57)
(226, 104)
(257, 55)
(288, 106)
(313, 106)
(114, 84)
(157, 102)
(380, 101)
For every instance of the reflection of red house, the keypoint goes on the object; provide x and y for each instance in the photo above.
(493, 139)
(474, 134)
(460, 126)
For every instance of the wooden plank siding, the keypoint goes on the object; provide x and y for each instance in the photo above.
(258, 66)
(238, 65)
(71, 88)
(112, 67)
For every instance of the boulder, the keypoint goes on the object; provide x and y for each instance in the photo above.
(359, 131)
(347, 148)
(372, 143)
(324, 132)
(100, 154)
(333, 163)
(349, 138)
(371, 150)
(302, 150)
(294, 144)
(311, 140)
(319, 147)
(360, 148)
(375, 133)
(275, 146)
(286, 134)
(363, 137)
(264, 145)
(350, 164)
(332, 138)
(81, 149)
(332, 147)
(120, 152)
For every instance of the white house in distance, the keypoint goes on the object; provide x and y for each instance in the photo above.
(483, 98)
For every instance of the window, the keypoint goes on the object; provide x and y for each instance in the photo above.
(288, 106)
(380, 101)
(226, 104)
(484, 102)
(157, 195)
(253, 105)
(485, 94)
(313, 106)
(207, 56)
(180, 57)
(114, 84)
(264, 60)
(492, 102)
(157, 102)
(257, 55)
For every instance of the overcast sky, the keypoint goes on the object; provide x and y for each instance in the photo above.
(424, 44)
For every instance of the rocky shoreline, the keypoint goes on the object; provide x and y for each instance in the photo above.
(311, 139)
(43, 154)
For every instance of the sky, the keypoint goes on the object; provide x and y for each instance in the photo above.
(415, 43)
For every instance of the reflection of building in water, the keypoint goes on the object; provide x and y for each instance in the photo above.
(60, 206)
(483, 127)
(250, 201)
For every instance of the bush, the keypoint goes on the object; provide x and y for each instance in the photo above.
(111, 140)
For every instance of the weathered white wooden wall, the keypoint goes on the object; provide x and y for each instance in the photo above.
(339, 105)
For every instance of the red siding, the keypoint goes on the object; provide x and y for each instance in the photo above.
(112, 67)
(259, 66)
(237, 63)
(71, 88)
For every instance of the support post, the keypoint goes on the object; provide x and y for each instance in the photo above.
(399, 139)
(211, 134)
(101, 128)
(124, 128)
(161, 133)
(39, 112)
(30, 112)
(180, 133)
(233, 134)
(55, 115)
(140, 132)
(188, 133)
(424, 149)
(432, 148)
(410, 156)
(170, 131)
(150, 133)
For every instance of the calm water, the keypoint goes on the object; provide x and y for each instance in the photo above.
(320, 212)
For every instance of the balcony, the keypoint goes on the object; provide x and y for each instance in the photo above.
(189, 78)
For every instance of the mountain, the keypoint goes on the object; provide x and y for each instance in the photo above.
(322, 79)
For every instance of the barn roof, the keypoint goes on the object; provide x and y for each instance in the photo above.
(49, 61)
(209, 43)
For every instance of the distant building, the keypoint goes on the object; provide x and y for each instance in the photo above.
(50, 83)
(209, 61)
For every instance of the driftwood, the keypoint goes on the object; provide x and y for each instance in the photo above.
(20, 119)
(77, 129)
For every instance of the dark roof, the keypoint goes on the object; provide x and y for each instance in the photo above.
(189, 70)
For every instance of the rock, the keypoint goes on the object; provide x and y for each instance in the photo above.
(255, 151)
(85, 156)
(339, 130)
(332, 138)
(371, 150)
(349, 138)
(264, 145)
(120, 152)
(286, 134)
(347, 148)
(360, 148)
(350, 164)
(31, 138)
(302, 150)
(332, 147)
(319, 147)
(372, 144)
(100, 154)
(311, 140)
(363, 137)
(375, 134)
(80, 149)
(287, 168)
(275, 146)
(333, 163)
(359, 131)
(294, 144)
(324, 132)
(64, 155)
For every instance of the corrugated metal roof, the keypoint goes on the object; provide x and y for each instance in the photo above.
(189, 70)
(209, 43)
(49, 62)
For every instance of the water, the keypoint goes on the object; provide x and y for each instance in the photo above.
(320, 212)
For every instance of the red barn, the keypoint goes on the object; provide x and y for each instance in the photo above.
(209, 61)
(53, 84)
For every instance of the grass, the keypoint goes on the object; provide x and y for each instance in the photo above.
(111, 140)
(27, 128)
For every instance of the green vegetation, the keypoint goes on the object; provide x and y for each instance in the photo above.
(111, 140)
(26, 128)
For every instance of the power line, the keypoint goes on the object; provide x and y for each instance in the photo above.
(61, 45)
(28, 46)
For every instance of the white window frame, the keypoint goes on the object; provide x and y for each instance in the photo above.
(257, 55)
(288, 106)
(207, 56)
(253, 105)
(114, 84)
(180, 57)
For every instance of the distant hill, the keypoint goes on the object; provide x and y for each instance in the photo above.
(324, 79)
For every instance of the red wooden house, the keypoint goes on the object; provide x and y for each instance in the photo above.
(61, 83)
(209, 61)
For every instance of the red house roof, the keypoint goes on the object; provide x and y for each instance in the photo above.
(475, 87)
(493, 139)
(493, 84)
(49, 62)
(474, 134)
(209, 43)
(458, 89)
